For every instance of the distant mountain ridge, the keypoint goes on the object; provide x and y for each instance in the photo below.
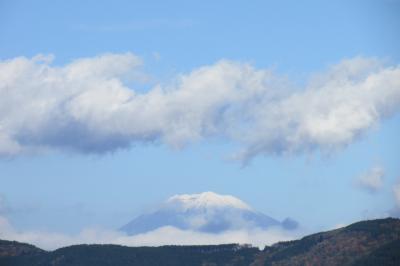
(367, 243)
(205, 212)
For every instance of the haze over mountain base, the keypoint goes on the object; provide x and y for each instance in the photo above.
(374, 242)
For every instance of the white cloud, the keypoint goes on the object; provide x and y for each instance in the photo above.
(86, 106)
(161, 236)
(171, 235)
(372, 180)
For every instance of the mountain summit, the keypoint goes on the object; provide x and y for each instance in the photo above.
(206, 200)
(205, 212)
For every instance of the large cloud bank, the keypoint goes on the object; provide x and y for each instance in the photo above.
(88, 106)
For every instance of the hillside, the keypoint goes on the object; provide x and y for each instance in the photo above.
(15, 249)
(375, 242)
(97, 255)
(356, 244)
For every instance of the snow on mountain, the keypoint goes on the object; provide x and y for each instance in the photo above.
(206, 200)
(205, 212)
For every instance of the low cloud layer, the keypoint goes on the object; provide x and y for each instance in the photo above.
(162, 236)
(87, 106)
(371, 181)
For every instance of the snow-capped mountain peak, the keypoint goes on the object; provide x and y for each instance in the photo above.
(204, 212)
(205, 200)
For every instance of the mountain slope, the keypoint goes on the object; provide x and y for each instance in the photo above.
(375, 242)
(99, 255)
(345, 246)
(204, 212)
(14, 249)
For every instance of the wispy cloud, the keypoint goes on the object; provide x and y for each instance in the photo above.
(86, 106)
(372, 180)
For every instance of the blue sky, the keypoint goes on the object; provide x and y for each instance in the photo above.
(60, 189)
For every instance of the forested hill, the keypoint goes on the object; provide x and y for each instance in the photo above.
(375, 242)
(114, 255)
